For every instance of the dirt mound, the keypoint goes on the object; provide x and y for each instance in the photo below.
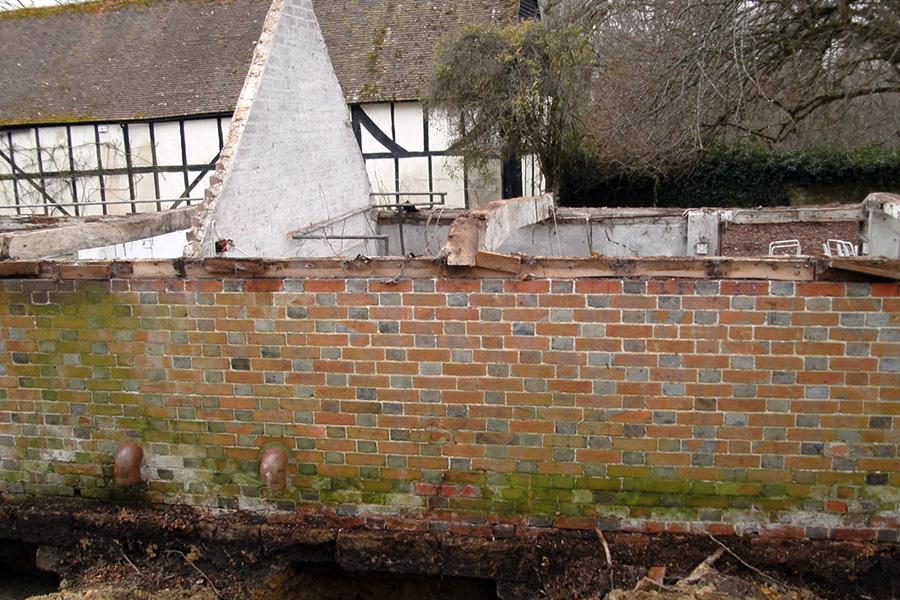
(184, 554)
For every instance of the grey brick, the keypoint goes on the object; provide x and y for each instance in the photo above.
(669, 302)
(707, 288)
(673, 389)
(523, 329)
(781, 288)
(664, 417)
(706, 317)
(492, 286)
(743, 303)
(562, 315)
(742, 362)
(597, 301)
(423, 285)
(816, 392)
(457, 299)
(563, 343)
(853, 320)
(431, 369)
(772, 462)
(709, 376)
(735, 419)
(812, 448)
(637, 374)
(889, 365)
(634, 316)
(635, 287)
(671, 361)
(461, 356)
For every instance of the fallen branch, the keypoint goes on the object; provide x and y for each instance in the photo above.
(725, 548)
(128, 560)
(196, 568)
(704, 568)
(609, 561)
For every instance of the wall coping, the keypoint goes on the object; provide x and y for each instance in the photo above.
(489, 265)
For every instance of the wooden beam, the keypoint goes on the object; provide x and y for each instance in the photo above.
(820, 214)
(880, 267)
(103, 231)
(487, 227)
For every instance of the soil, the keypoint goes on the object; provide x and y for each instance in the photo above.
(105, 553)
(741, 240)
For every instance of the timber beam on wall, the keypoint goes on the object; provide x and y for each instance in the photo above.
(488, 226)
(93, 232)
(490, 265)
(804, 214)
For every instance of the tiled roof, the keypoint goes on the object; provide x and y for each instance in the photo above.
(150, 59)
(382, 49)
(125, 60)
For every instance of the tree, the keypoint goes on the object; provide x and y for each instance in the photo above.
(682, 75)
(648, 87)
(518, 90)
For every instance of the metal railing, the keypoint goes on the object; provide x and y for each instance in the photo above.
(21, 208)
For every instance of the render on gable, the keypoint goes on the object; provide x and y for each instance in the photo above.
(290, 164)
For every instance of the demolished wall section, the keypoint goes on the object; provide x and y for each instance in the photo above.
(734, 406)
(290, 161)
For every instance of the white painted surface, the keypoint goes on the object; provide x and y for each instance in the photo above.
(170, 245)
(291, 161)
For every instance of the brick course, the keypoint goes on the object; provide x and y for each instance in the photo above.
(647, 405)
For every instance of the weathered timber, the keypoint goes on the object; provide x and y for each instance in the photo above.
(883, 267)
(760, 216)
(93, 234)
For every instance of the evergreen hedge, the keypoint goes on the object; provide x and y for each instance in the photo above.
(744, 177)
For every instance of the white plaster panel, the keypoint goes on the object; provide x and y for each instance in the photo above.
(382, 177)
(414, 175)
(410, 129)
(84, 147)
(438, 131)
(201, 140)
(168, 143)
(141, 150)
(380, 114)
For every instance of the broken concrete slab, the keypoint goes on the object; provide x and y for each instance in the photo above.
(487, 227)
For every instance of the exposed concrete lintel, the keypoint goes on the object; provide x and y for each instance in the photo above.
(488, 226)
(104, 231)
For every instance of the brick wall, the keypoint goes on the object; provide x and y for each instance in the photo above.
(725, 405)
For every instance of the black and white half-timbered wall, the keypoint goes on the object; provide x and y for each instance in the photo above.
(108, 168)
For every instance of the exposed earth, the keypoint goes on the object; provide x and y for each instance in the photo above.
(753, 240)
(106, 553)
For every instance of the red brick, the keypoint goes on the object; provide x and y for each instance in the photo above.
(561, 300)
(536, 286)
(629, 331)
(744, 288)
